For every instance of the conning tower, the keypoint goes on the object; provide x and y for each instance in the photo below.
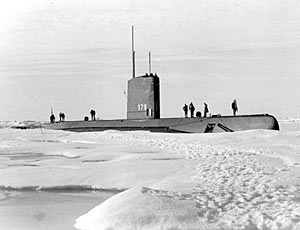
(143, 97)
(143, 93)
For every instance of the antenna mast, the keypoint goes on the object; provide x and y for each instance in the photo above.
(133, 52)
(149, 62)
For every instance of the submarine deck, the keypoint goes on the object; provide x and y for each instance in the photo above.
(215, 123)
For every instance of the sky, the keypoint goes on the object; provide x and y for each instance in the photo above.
(73, 56)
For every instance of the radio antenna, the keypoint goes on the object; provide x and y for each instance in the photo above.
(133, 52)
(149, 62)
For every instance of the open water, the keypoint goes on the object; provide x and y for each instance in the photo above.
(30, 210)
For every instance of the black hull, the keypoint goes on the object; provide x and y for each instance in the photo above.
(174, 125)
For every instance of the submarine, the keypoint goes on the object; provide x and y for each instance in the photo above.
(143, 113)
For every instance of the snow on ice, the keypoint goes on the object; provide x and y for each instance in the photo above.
(242, 180)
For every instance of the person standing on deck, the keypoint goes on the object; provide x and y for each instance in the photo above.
(205, 110)
(93, 115)
(62, 117)
(234, 107)
(185, 109)
(192, 109)
(52, 118)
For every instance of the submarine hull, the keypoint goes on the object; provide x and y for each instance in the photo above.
(211, 124)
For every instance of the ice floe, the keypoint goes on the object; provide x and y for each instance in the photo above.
(242, 180)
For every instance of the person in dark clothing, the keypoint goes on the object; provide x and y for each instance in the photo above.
(192, 109)
(93, 115)
(205, 110)
(185, 109)
(61, 117)
(234, 107)
(52, 118)
(198, 114)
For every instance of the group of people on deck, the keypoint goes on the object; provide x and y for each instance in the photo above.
(185, 108)
(191, 108)
(62, 116)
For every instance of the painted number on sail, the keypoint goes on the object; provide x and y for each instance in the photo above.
(142, 107)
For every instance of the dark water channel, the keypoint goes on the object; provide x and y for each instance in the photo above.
(32, 210)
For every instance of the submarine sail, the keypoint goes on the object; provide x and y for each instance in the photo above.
(143, 97)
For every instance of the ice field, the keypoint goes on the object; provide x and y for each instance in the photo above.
(241, 180)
